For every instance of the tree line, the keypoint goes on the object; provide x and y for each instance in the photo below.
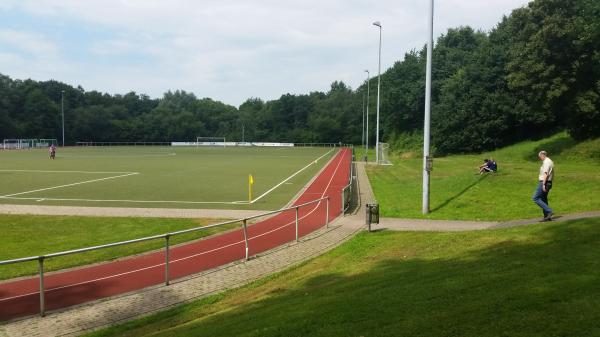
(536, 72)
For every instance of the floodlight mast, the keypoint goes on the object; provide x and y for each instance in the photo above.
(367, 130)
(62, 108)
(426, 128)
(378, 24)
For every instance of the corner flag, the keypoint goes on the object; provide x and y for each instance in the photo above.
(250, 183)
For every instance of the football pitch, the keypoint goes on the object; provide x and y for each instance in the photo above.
(149, 176)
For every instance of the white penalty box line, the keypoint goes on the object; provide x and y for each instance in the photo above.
(118, 175)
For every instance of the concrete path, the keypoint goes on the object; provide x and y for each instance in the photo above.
(128, 211)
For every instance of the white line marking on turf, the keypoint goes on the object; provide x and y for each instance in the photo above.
(290, 177)
(125, 200)
(47, 171)
(186, 257)
(240, 202)
(67, 185)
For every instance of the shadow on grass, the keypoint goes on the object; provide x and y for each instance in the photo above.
(463, 191)
(553, 147)
(546, 284)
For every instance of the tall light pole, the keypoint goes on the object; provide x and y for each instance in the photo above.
(426, 131)
(367, 130)
(62, 108)
(378, 24)
(362, 141)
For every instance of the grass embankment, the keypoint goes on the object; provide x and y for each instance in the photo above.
(458, 192)
(540, 280)
(31, 235)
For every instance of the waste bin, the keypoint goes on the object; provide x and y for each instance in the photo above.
(372, 214)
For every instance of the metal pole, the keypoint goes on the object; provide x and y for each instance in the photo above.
(363, 120)
(42, 297)
(367, 132)
(378, 24)
(167, 259)
(62, 108)
(327, 214)
(296, 224)
(426, 130)
(343, 198)
(244, 224)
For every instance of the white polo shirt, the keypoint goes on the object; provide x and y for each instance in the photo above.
(547, 167)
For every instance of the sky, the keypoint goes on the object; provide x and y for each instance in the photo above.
(228, 50)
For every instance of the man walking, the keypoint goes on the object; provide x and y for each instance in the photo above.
(540, 197)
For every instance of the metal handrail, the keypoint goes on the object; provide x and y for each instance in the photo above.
(166, 236)
(158, 236)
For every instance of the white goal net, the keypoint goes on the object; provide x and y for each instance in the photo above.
(384, 149)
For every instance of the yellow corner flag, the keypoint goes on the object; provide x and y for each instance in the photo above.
(250, 183)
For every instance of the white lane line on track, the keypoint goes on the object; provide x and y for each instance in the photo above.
(67, 185)
(190, 256)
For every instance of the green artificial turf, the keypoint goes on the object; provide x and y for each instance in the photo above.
(32, 235)
(458, 192)
(538, 280)
(177, 177)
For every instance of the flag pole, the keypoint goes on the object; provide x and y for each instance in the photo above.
(250, 183)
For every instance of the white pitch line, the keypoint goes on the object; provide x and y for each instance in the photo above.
(131, 201)
(47, 171)
(290, 177)
(67, 185)
(186, 257)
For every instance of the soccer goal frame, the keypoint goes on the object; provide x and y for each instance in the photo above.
(384, 153)
(46, 142)
(210, 141)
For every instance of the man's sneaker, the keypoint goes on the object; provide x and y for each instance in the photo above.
(548, 217)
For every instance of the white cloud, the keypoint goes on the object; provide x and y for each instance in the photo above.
(30, 43)
(232, 50)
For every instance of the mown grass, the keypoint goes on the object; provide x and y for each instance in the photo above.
(458, 192)
(539, 280)
(32, 235)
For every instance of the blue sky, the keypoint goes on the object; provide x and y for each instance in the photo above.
(228, 50)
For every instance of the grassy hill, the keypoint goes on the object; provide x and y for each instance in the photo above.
(458, 192)
(540, 280)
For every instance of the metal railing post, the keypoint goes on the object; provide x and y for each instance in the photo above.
(296, 223)
(327, 213)
(167, 259)
(343, 200)
(244, 224)
(42, 293)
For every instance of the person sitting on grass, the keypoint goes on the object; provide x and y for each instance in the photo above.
(492, 165)
(486, 167)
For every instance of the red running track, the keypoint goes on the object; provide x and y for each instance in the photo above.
(21, 298)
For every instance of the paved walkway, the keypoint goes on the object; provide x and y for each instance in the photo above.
(128, 211)
(90, 316)
(457, 225)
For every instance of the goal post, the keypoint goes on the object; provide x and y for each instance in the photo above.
(46, 142)
(210, 141)
(384, 149)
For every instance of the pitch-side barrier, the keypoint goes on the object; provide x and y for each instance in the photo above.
(165, 237)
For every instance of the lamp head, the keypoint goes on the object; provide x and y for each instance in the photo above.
(377, 23)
